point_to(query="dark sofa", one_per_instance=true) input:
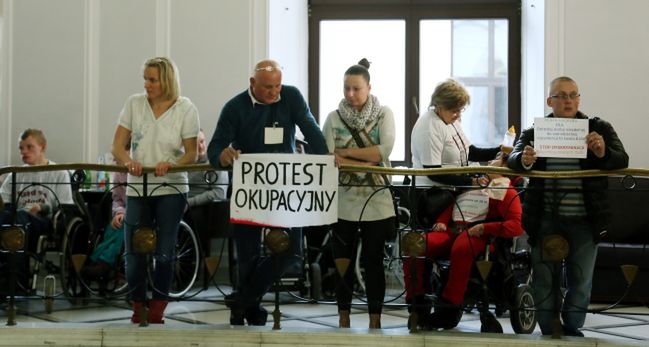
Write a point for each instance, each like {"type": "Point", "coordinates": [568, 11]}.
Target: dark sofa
{"type": "Point", "coordinates": [627, 242]}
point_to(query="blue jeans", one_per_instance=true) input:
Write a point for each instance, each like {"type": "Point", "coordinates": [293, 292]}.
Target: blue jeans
{"type": "Point", "coordinates": [164, 212]}
{"type": "Point", "coordinates": [579, 266]}
{"type": "Point", "coordinates": [257, 273]}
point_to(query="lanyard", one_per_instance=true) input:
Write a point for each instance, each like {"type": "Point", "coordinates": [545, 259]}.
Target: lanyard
{"type": "Point", "coordinates": [461, 149]}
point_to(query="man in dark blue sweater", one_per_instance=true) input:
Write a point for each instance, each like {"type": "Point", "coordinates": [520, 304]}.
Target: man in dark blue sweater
{"type": "Point", "coordinates": [261, 119]}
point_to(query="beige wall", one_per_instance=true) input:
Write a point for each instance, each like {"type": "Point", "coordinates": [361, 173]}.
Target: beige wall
{"type": "Point", "coordinates": [68, 65]}
{"type": "Point", "coordinates": [604, 46]}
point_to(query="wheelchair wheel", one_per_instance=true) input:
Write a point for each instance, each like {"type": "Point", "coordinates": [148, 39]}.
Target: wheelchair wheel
{"type": "Point", "coordinates": [392, 267]}
{"type": "Point", "coordinates": [119, 285]}
{"type": "Point", "coordinates": [77, 241]}
{"type": "Point", "coordinates": [186, 267]}
{"type": "Point", "coordinates": [359, 270]}
{"type": "Point", "coordinates": [188, 261]}
{"type": "Point", "coordinates": [522, 313]}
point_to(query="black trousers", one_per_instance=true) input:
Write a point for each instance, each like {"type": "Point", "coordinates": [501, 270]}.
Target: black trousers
{"type": "Point", "coordinates": [372, 235]}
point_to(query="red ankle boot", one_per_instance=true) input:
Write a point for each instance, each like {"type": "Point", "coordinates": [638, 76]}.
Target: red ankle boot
{"type": "Point", "coordinates": [156, 311]}
{"type": "Point", "coordinates": [137, 306]}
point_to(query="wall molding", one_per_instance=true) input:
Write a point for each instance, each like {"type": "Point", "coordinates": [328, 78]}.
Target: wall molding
{"type": "Point", "coordinates": [91, 81]}
{"type": "Point", "coordinates": [533, 67]}
{"type": "Point", "coordinates": [163, 28]}
{"type": "Point", "coordinates": [555, 41]}
{"type": "Point", "coordinates": [7, 83]}
{"type": "Point", "coordinates": [259, 29]}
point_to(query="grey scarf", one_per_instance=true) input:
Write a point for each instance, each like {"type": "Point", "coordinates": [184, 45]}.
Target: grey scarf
{"type": "Point", "coordinates": [358, 120]}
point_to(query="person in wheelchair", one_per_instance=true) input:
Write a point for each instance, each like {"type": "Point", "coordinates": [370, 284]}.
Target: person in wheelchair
{"type": "Point", "coordinates": [105, 255]}
{"type": "Point", "coordinates": [202, 192]}
{"type": "Point", "coordinates": [39, 194]}
{"type": "Point", "coordinates": [462, 232]}
{"type": "Point", "coordinates": [205, 187]}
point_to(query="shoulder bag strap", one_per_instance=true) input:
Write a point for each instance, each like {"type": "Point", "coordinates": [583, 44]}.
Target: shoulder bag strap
{"type": "Point", "coordinates": [359, 142]}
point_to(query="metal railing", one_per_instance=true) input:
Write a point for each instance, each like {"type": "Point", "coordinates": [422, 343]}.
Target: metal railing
{"type": "Point", "coordinates": [628, 176]}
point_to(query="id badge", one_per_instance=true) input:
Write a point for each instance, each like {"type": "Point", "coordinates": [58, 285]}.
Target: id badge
{"type": "Point", "coordinates": [273, 136]}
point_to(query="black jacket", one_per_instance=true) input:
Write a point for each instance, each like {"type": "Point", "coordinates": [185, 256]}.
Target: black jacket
{"type": "Point", "coordinates": [594, 188]}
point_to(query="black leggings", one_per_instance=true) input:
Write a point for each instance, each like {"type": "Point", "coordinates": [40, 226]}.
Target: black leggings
{"type": "Point", "coordinates": [373, 235]}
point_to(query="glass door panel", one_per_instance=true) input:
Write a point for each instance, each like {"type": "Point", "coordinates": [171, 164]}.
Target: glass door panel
{"type": "Point", "coordinates": [474, 52]}
{"type": "Point", "coordinates": [343, 43]}
{"type": "Point", "coordinates": [470, 48]}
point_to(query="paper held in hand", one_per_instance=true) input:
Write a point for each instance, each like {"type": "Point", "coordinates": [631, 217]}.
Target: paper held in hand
{"type": "Point", "coordinates": [560, 137]}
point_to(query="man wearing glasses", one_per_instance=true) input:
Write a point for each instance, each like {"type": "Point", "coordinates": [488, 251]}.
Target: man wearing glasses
{"type": "Point", "coordinates": [261, 119]}
{"type": "Point", "coordinates": [576, 209]}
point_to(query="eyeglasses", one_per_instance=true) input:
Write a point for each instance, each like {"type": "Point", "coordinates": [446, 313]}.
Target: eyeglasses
{"type": "Point", "coordinates": [565, 96]}
{"type": "Point", "coordinates": [269, 68]}
{"type": "Point", "coordinates": [458, 110]}
{"type": "Point", "coordinates": [452, 111]}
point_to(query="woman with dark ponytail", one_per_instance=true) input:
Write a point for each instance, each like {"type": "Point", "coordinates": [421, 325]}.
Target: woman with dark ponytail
{"type": "Point", "coordinates": [361, 132]}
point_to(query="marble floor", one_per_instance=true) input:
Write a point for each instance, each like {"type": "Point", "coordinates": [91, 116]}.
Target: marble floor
{"type": "Point", "coordinates": [205, 311]}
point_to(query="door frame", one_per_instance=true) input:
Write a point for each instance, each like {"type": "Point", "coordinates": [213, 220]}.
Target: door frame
{"type": "Point", "coordinates": [412, 11]}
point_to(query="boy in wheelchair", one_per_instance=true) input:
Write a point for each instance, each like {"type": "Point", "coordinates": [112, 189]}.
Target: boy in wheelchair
{"type": "Point", "coordinates": [39, 196]}
{"type": "Point", "coordinates": [461, 234]}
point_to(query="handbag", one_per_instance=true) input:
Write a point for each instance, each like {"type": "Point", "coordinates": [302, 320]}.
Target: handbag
{"type": "Point", "coordinates": [432, 202]}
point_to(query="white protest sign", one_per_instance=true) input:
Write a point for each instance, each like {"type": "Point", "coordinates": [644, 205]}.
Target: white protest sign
{"type": "Point", "coordinates": [284, 190]}
{"type": "Point", "coordinates": [471, 206]}
{"type": "Point", "coordinates": [560, 137]}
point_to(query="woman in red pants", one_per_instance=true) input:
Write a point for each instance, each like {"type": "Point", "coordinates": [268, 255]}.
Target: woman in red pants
{"type": "Point", "coordinates": [461, 233]}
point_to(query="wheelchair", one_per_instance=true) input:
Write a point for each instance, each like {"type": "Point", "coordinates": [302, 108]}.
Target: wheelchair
{"type": "Point", "coordinates": [34, 265]}
{"type": "Point", "coordinates": [80, 243]}
{"type": "Point", "coordinates": [506, 286]}
{"type": "Point", "coordinates": [392, 260]}
{"type": "Point", "coordinates": [82, 235]}
{"type": "Point", "coordinates": [323, 272]}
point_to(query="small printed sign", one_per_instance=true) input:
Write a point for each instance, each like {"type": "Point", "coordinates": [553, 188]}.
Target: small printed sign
{"type": "Point", "coordinates": [560, 137]}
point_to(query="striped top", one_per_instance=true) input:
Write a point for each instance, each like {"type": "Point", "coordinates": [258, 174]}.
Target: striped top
{"type": "Point", "coordinates": [564, 194]}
